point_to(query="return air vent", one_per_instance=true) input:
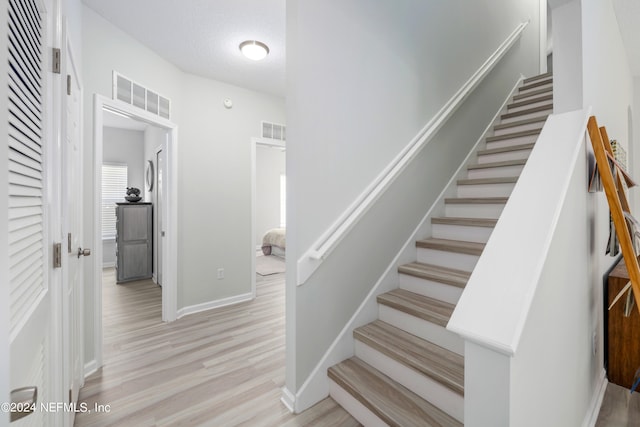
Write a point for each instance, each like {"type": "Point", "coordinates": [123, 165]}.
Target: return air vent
{"type": "Point", "coordinates": [126, 90]}
{"type": "Point", "coordinates": [274, 131]}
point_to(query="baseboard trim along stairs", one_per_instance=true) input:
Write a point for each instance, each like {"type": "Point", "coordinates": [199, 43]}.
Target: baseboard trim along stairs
{"type": "Point", "coordinates": [407, 368]}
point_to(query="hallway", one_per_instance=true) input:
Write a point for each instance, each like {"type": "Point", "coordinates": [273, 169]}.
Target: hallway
{"type": "Point", "coordinates": [221, 367]}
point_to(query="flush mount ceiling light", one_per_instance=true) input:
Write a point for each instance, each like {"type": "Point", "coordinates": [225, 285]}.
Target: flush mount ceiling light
{"type": "Point", "coordinates": [254, 49]}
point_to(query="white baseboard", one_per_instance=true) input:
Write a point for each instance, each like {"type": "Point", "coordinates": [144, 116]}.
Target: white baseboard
{"type": "Point", "coordinates": [192, 309]}
{"type": "Point", "coordinates": [90, 367]}
{"type": "Point", "coordinates": [288, 399]}
{"type": "Point", "coordinates": [594, 409]}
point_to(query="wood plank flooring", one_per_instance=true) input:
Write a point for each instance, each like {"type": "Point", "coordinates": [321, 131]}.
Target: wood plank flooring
{"type": "Point", "coordinates": [222, 367]}
{"type": "Point", "coordinates": [619, 408]}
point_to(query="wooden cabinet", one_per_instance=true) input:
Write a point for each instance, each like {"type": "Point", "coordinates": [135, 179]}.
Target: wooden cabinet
{"type": "Point", "coordinates": [134, 248]}
{"type": "Point", "coordinates": [623, 333]}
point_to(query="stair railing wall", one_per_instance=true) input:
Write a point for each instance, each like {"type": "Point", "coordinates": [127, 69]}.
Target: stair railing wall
{"type": "Point", "coordinates": [316, 385]}
{"type": "Point", "coordinates": [326, 243]}
{"type": "Point", "coordinates": [531, 309]}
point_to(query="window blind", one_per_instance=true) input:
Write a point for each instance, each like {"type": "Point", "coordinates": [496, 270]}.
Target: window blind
{"type": "Point", "coordinates": [114, 188]}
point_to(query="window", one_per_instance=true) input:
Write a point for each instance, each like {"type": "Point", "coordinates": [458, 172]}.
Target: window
{"type": "Point", "coordinates": [114, 187]}
{"type": "Point", "coordinates": [283, 200]}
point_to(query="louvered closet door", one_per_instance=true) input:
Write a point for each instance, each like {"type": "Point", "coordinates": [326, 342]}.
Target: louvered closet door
{"type": "Point", "coordinates": [29, 294]}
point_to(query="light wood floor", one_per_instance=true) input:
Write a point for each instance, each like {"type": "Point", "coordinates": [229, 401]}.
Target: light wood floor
{"type": "Point", "coordinates": [619, 408]}
{"type": "Point", "coordinates": [220, 368]}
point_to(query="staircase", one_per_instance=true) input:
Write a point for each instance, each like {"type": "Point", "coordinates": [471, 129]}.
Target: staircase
{"type": "Point", "coordinates": [408, 370]}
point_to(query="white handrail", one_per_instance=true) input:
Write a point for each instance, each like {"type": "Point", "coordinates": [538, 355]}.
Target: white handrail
{"type": "Point", "coordinates": [314, 256]}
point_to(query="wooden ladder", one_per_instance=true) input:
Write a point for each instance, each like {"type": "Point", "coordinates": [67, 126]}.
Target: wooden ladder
{"type": "Point", "coordinates": [617, 199]}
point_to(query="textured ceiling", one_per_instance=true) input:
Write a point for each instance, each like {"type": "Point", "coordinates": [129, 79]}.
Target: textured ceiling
{"type": "Point", "coordinates": [202, 36]}
{"type": "Point", "coordinates": [628, 15]}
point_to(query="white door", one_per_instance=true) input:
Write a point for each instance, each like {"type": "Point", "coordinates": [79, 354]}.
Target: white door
{"type": "Point", "coordinates": [72, 221]}
{"type": "Point", "coordinates": [29, 157]}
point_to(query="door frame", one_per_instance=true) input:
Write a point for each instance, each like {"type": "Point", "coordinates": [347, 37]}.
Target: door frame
{"type": "Point", "coordinates": [170, 211]}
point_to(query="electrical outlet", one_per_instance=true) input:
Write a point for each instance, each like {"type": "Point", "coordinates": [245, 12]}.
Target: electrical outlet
{"type": "Point", "coordinates": [220, 273]}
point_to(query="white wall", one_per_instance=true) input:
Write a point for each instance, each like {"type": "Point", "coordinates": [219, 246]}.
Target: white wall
{"type": "Point", "coordinates": [634, 146]}
{"type": "Point", "coordinates": [555, 366]}
{"type": "Point", "coordinates": [270, 164]}
{"type": "Point", "coordinates": [608, 83]}
{"type": "Point", "coordinates": [375, 79]}
{"type": "Point", "coordinates": [214, 215]}
{"type": "Point", "coordinates": [126, 147]}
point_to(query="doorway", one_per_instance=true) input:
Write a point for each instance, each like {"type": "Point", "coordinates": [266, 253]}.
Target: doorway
{"type": "Point", "coordinates": [268, 206]}
{"type": "Point", "coordinates": [167, 240]}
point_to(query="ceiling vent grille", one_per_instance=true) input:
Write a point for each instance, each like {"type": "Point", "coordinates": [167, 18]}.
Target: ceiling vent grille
{"type": "Point", "coordinates": [126, 90]}
{"type": "Point", "coordinates": [274, 131]}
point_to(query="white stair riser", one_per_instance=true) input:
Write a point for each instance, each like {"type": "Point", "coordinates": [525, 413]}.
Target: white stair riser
{"type": "Point", "coordinates": [496, 172]}
{"type": "Point", "coordinates": [519, 128]}
{"type": "Point", "coordinates": [461, 232]}
{"type": "Point", "coordinates": [504, 157]}
{"type": "Point", "coordinates": [527, 116]}
{"type": "Point", "coordinates": [421, 328]}
{"type": "Point", "coordinates": [474, 210]}
{"type": "Point", "coordinates": [424, 386]}
{"type": "Point", "coordinates": [464, 262]}
{"type": "Point", "coordinates": [356, 409]}
{"type": "Point", "coordinates": [430, 288]}
{"type": "Point", "coordinates": [528, 106]}
{"type": "Point", "coordinates": [546, 86]}
{"type": "Point", "coordinates": [485, 190]}
{"type": "Point", "coordinates": [511, 142]}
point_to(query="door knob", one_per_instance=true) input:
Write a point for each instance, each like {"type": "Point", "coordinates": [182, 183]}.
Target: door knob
{"type": "Point", "coordinates": [83, 252]}
{"type": "Point", "coordinates": [23, 400]}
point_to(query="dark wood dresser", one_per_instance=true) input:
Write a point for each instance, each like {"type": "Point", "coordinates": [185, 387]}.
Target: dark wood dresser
{"type": "Point", "coordinates": [623, 343]}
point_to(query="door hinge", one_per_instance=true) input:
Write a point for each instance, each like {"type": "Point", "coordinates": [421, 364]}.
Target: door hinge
{"type": "Point", "coordinates": [68, 84]}
{"type": "Point", "coordinates": [57, 255]}
{"type": "Point", "coordinates": [56, 60]}
{"type": "Point", "coordinates": [69, 243]}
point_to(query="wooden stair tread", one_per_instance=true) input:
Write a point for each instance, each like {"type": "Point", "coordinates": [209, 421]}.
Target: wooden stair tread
{"type": "Point", "coordinates": [545, 107]}
{"type": "Point", "coordinates": [542, 76]}
{"type": "Point", "coordinates": [427, 358]}
{"type": "Point", "coordinates": [476, 200]}
{"type": "Point", "coordinates": [429, 309]}
{"type": "Point", "coordinates": [537, 83]}
{"type": "Point", "coordinates": [520, 147]}
{"type": "Point", "coordinates": [458, 246]}
{"type": "Point", "coordinates": [529, 94]}
{"type": "Point", "coordinates": [513, 135]}
{"type": "Point", "coordinates": [505, 163]}
{"type": "Point", "coordinates": [469, 222]}
{"type": "Point", "coordinates": [532, 120]}
{"type": "Point", "coordinates": [448, 276]}
{"type": "Point", "coordinates": [481, 181]}
{"type": "Point", "coordinates": [531, 100]}
{"type": "Point", "coordinates": [387, 399]}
